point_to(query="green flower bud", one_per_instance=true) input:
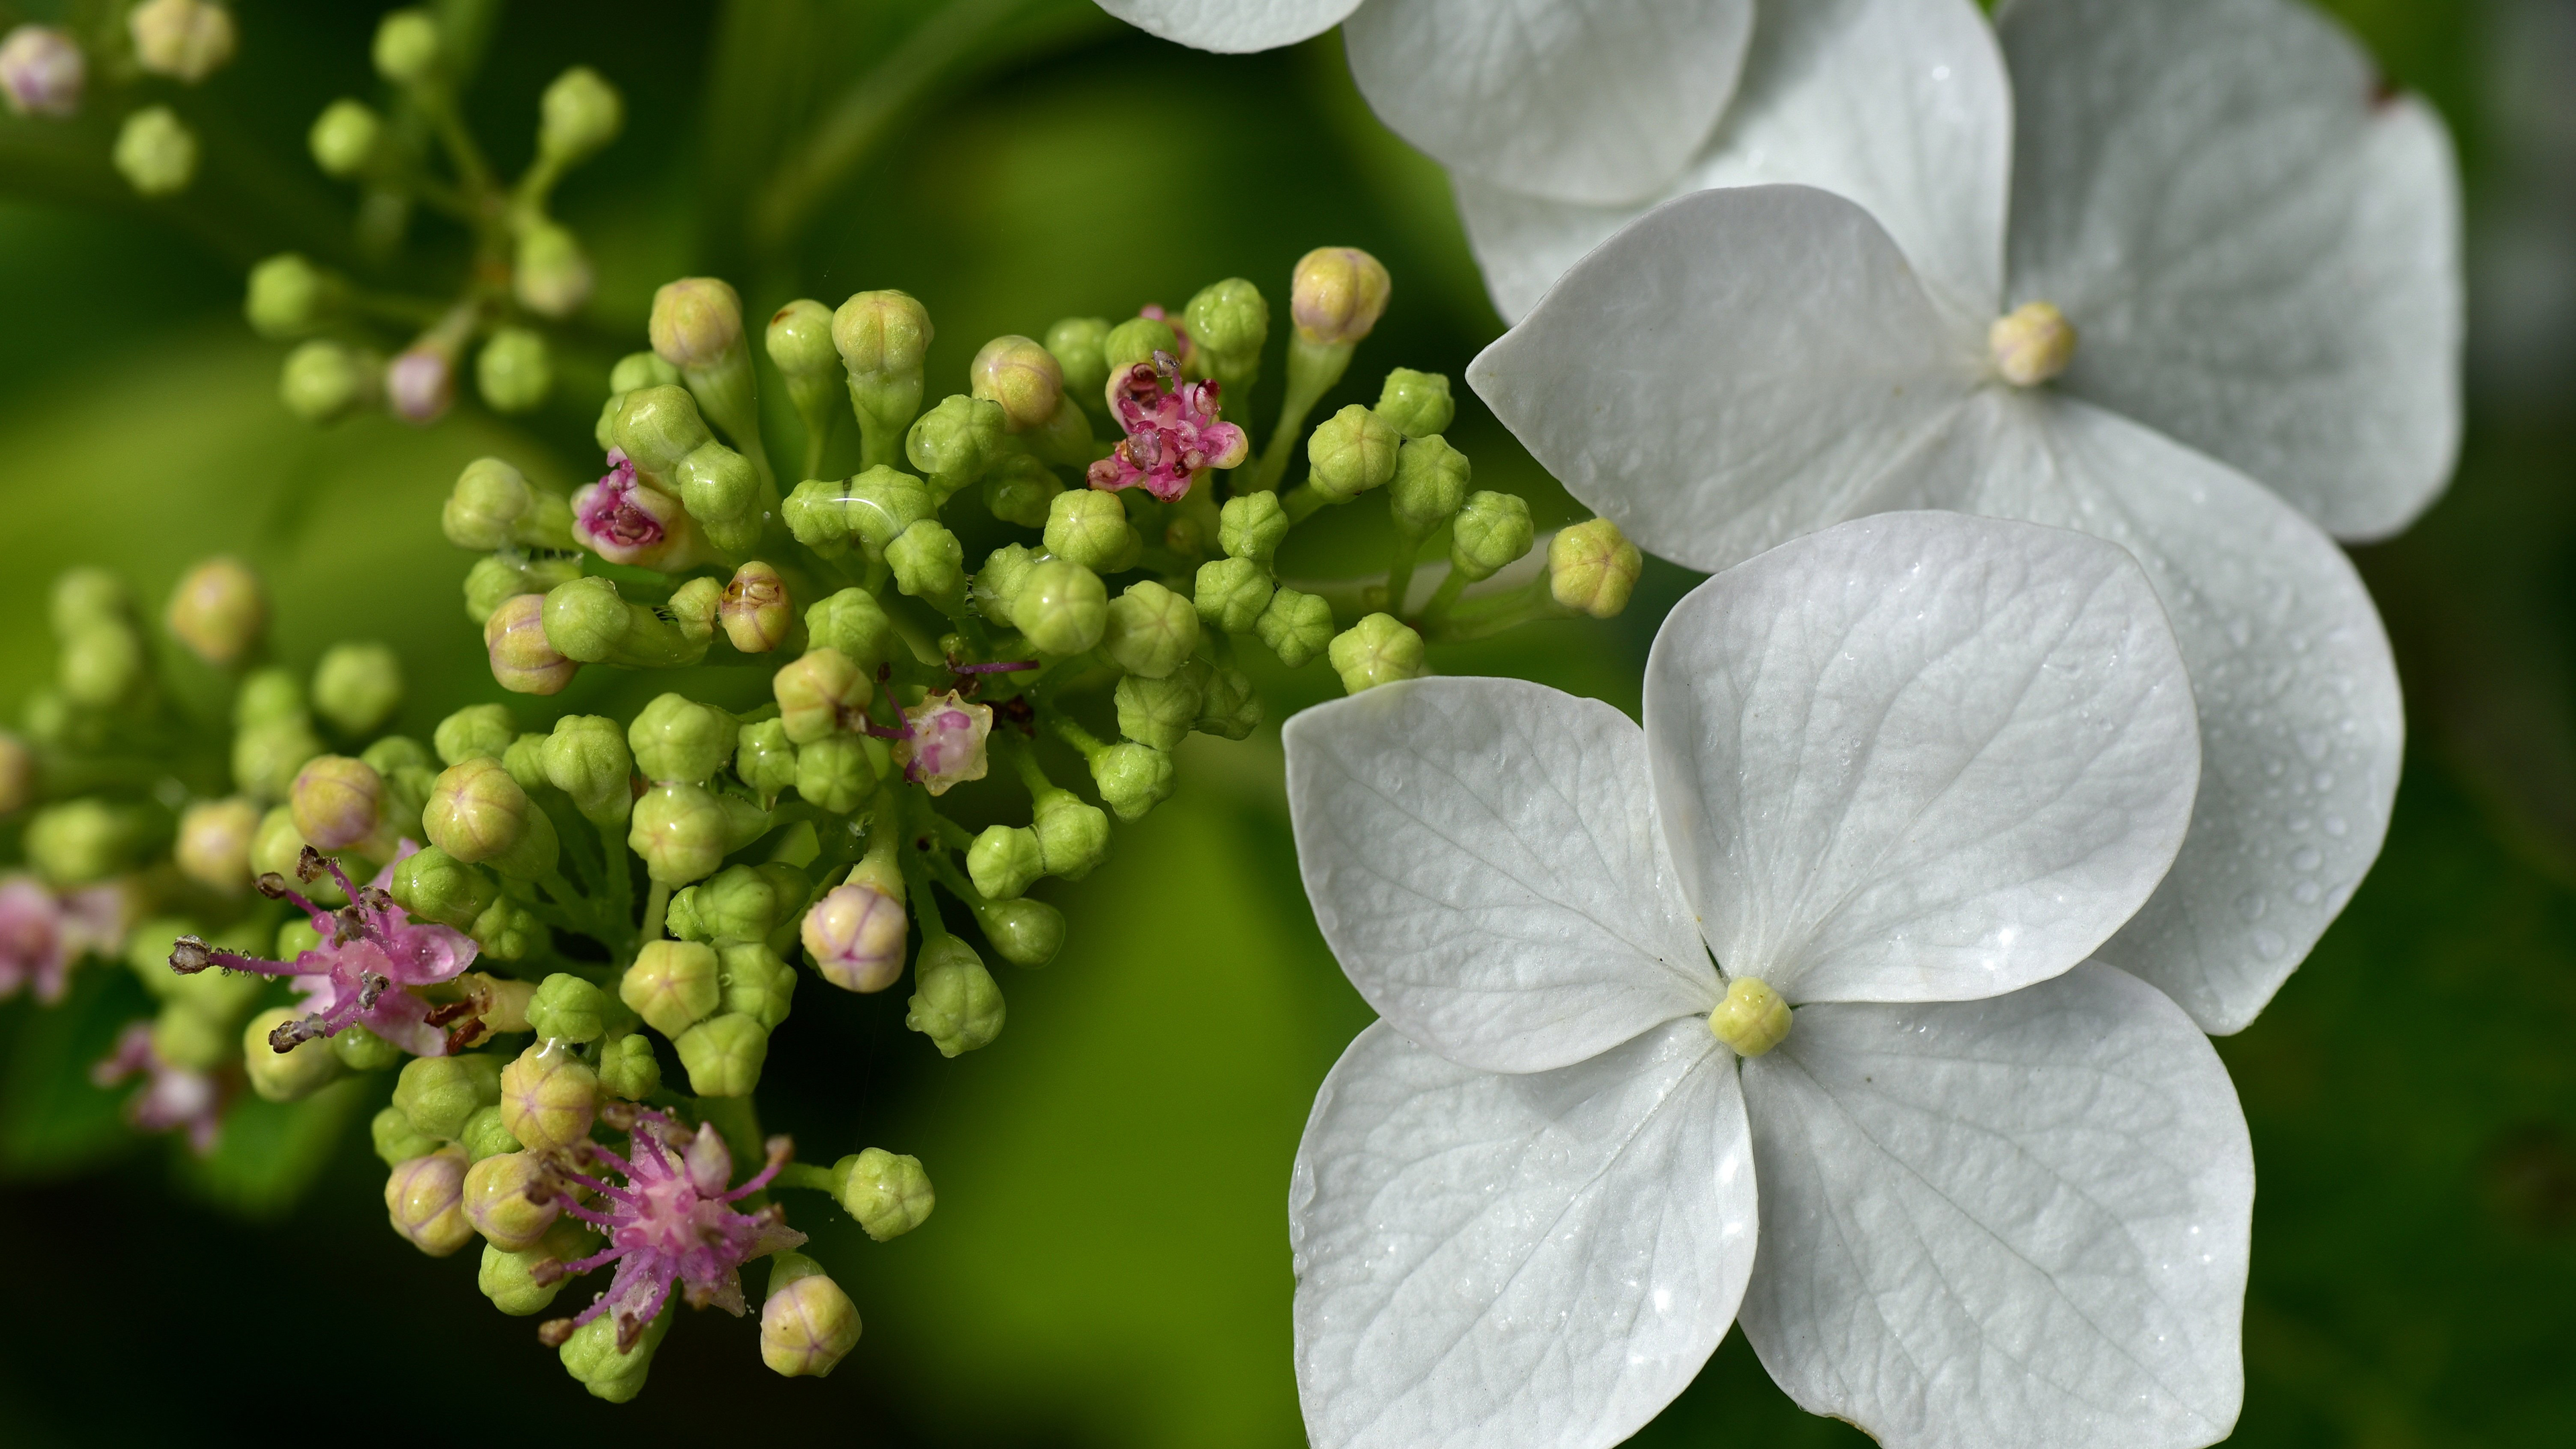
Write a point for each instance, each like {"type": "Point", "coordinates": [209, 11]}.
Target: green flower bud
{"type": "Point", "coordinates": [756, 983]}
{"type": "Point", "coordinates": [337, 801]}
{"type": "Point", "coordinates": [1135, 341]}
{"type": "Point", "coordinates": [394, 1137]}
{"type": "Point", "coordinates": [1228, 707]}
{"type": "Point", "coordinates": [881, 333]}
{"type": "Point", "coordinates": [738, 904]}
{"type": "Point", "coordinates": [514, 371]}
{"type": "Point", "coordinates": [807, 1325]}
{"type": "Point", "coordinates": [1023, 932]}
{"type": "Point", "coordinates": [214, 843]}
{"type": "Point", "coordinates": [1132, 778]}
{"type": "Point", "coordinates": [1376, 650]}
{"type": "Point", "coordinates": [853, 622]}
{"type": "Point", "coordinates": [1233, 593]}
{"type": "Point", "coordinates": [1492, 530]}
{"type": "Point", "coordinates": [521, 649]}
{"type": "Point", "coordinates": [681, 831]}
{"type": "Point", "coordinates": [1160, 712]}
{"type": "Point", "coordinates": [929, 563]}
{"type": "Point", "coordinates": [493, 506]}
{"type": "Point", "coordinates": [765, 759]}
{"type": "Point", "coordinates": [1004, 861]}
{"type": "Point", "coordinates": [549, 273]}
{"type": "Point", "coordinates": [102, 666]}
{"type": "Point", "coordinates": [1022, 377]}
{"type": "Point", "coordinates": [346, 139]}
{"type": "Point", "coordinates": [677, 738]}
{"type": "Point", "coordinates": [638, 370]}
{"type": "Point", "coordinates": [548, 1097]}
{"type": "Point", "coordinates": [1337, 295]}
{"type": "Point", "coordinates": [954, 1001]}
{"type": "Point", "coordinates": [1073, 834]}
{"type": "Point", "coordinates": [1252, 526]}
{"type": "Point", "coordinates": [839, 772]}
{"type": "Point", "coordinates": [579, 114]}
{"type": "Point", "coordinates": [439, 1093]}
{"type": "Point", "coordinates": [186, 40]}
{"type": "Point", "coordinates": [723, 1055]}
{"type": "Point", "coordinates": [266, 757]}
{"type": "Point", "coordinates": [425, 1198]}
{"type": "Point", "coordinates": [1592, 568]}
{"type": "Point", "coordinates": [1353, 451]}
{"type": "Point", "coordinates": [1021, 489]}
{"type": "Point", "coordinates": [81, 841]}
{"type": "Point", "coordinates": [358, 686]}
{"type": "Point", "coordinates": [586, 621]}
{"type": "Point", "coordinates": [628, 1068]}
{"type": "Point", "coordinates": [1296, 626]}
{"type": "Point", "coordinates": [486, 1134]}
{"type": "Point", "coordinates": [998, 582]}
{"type": "Point", "coordinates": [508, 931]}
{"type": "Point", "coordinates": [322, 381]}
{"type": "Point", "coordinates": [592, 1356]}
{"type": "Point", "coordinates": [1089, 527]}
{"type": "Point", "coordinates": [1076, 344]}
{"type": "Point", "coordinates": [657, 427]}
{"type": "Point", "coordinates": [696, 324]}
{"type": "Point", "coordinates": [510, 1199]}
{"type": "Point", "coordinates": [1416, 404]}
{"type": "Point", "coordinates": [289, 296]}
{"type": "Point", "coordinates": [186, 1037]}
{"type": "Point", "coordinates": [477, 813]}
{"type": "Point", "coordinates": [756, 613]}
{"type": "Point", "coordinates": [218, 610]}
{"type": "Point", "coordinates": [1429, 486]}
{"type": "Point", "coordinates": [395, 753]}
{"type": "Point", "coordinates": [277, 848]}
{"type": "Point", "coordinates": [1151, 631]}
{"type": "Point", "coordinates": [83, 596]}
{"type": "Point", "coordinates": [1229, 321]}
{"type": "Point", "coordinates": [588, 759]}
{"type": "Point", "coordinates": [286, 1076]}
{"type": "Point", "coordinates": [876, 507]}
{"type": "Point", "coordinates": [155, 153]}
{"type": "Point", "coordinates": [955, 442]}
{"type": "Point", "coordinates": [525, 760]}
{"type": "Point", "coordinates": [1062, 607]}
{"type": "Point", "coordinates": [509, 1279]}
{"type": "Point", "coordinates": [436, 886]}
{"type": "Point", "coordinates": [568, 1007]}
{"type": "Point", "coordinates": [672, 985]}
{"type": "Point", "coordinates": [799, 341]}
{"type": "Point", "coordinates": [820, 694]}
{"type": "Point", "coordinates": [406, 51]}
{"type": "Point", "coordinates": [476, 731]}
{"type": "Point", "coordinates": [888, 1193]}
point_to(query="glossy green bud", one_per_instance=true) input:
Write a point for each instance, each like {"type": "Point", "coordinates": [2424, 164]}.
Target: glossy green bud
{"type": "Point", "coordinates": [737, 904]}
{"type": "Point", "coordinates": [395, 753]}
{"type": "Point", "coordinates": [888, 1193]}
{"type": "Point", "coordinates": [954, 1001]}
{"type": "Point", "coordinates": [881, 505]}
{"type": "Point", "coordinates": [1132, 778]}
{"type": "Point", "coordinates": [509, 1279]}
{"type": "Point", "coordinates": [637, 370]}
{"type": "Point", "coordinates": [672, 985]}
{"type": "Point", "coordinates": [288, 1076]}
{"type": "Point", "coordinates": [1021, 489]}
{"type": "Point", "coordinates": [486, 1134]}
{"type": "Point", "coordinates": [394, 1137]}
{"type": "Point", "coordinates": [514, 371]}
{"type": "Point", "coordinates": [1252, 526]}
{"type": "Point", "coordinates": [218, 610]}
{"type": "Point", "coordinates": [820, 694]}
{"type": "Point", "coordinates": [82, 841]}
{"type": "Point", "coordinates": [435, 886]}
{"type": "Point", "coordinates": [1492, 530]}
{"type": "Point", "coordinates": [853, 622]}
{"type": "Point", "coordinates": [494, 581]}
{"type": "Point", "coordinates": [755, 982]}
{"type": "Point", "coordinates": [1076, 343]}
{"type": "Point", "coordinates": [510, 1199]}
{"type": "Point", "coordinates": [586, 621]}
{"type": "Point", "coordinates": [628, 1068]}
{"type": "Point", "coordinates": [1352, 452]}
{"type": "Point", "coordinates": [425, 1198]}
{"type": "Point", "coordinates": [807, 1324]}
{"type": "Point", "coordinates": [478, 730]}
{"type": "Point", "coordinates": [838, 772]}
{"type": "Point", "coordinates": [799, 341]}
{"type": "Point", "coordinates": [508, 931]}
{"type": "Point", "coordinates": [723, 1055]}
{"type": "Point", "coordinates": [764, 758]}
{"type": "Point", "coordinates": [289, 296]}
{"type": "Point", "coordinates": [1229, 321]}
{"type": "Point", "coordinates": [1089, 527]}
{"type": "Point", "coordinates": [276, 848]}
{"type": "Point", "coordinates": [1592, 568]}
{"type": "Point", "coordinates": [579, 114]}
{"type": "Point", "coordinates": [346, 139]}
{"type": "Point", "coordinates": [478, 814]}
{"type": "Point", "coordinates": [1023, 932]}
{"type": "Point", "coordinates": [882, 337]}
{"type": "Point", "coordinates": [681, 831]}
{"type": "Point", "coordinates": [721, 490]}
{"type": "Point", "coordinates": [1296, 626]}
{"type": "Point", "coordinates": [1004, 861]}
{"type": "Point", "coordinates": [525, 760]}
{"type": "Point", "coordinates": [1233, 593]}
{"type": "Point", "coordinates": [1430, 484]}
{"type": "Point", "coordinates": [1151, 631]}
{"type": "Point", "coordinates": [1376, 650]}
{"type": "Point", "coordinates": [336, 801]}
{"type": "Point", "coordinates": [406, 49]}
{"type": "Point", "coordinates": [998, 582]}
{"type": "Point", "coordinates": [677, 738]}
{"type": "Point", "coordinates": [929, 563]}
{"type": "Point", "coordinates": [1073, 834]}
{"type": "Point", "coordinates": [549, 273]}
{"type": "Point", "coordinates": [953, 443]}
{"type": "Point", "coordinates": [1337, 295]}
{"type": "Point", "coordinates": [569, 1007]}
{"type": "Point", "coordinates": [1134, 342]}
{"type": "Point", "coordinates": [1160, 712]}
{"type": "Point", "coordinates": [1062, 607]}
{"type": "Point", "coordinates": [657, 427]}
{"type": "Point", "coordinates": [1022, 377]}
{"type": "Point", "coordinates": [439, 1093]}
{"type": "Point", "coordinates": [549, 1096]}
{"type": "Point", "coordinates": [1228, 708]}
{"type": "Point", "coordinates": [587, 757]}
{"type": "Point", "coordinates": [592, 1356]}
{"type": "Point", "coordinates": [155, 153]}
{"type": "Point", "coordinates": [1417, 404]}
{"type": "Point", "coordinates": [358, 686]}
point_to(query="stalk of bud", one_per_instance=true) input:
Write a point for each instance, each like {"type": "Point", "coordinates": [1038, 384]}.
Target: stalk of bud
{"type": "Point", "coordinates": [883, 338]}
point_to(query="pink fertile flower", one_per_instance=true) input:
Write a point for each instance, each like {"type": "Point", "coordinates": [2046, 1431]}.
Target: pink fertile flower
{"type": "Point", "coordinates": [420, 384]}
{"type": "Point", "coordinates": [673, 1222]}
{"type": "Point", "coordinates": [43, 934]}
{"type": "Point", "coordinates": [365, 972]}
{"type": "Point", "coordinates": [627, 521]}
{"type": "Point", "coordinates": [171, 1097]}
{"type": "Point", "coordinates": [1172, 432]}
{"type": "Point", "coordinates": [943, 741]}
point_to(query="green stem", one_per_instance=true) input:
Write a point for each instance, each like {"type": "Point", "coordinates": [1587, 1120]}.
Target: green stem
{"type": "Point", "coordinates": [1492, 614]}
{"type": "Point", "coordinates": [1083, 740]}
{"type": "Point", "coordinates": [657, 904]}
{"type": "Point", "coordinates": [1312, 370]}
{"type": "Point", "coordinates": [619, 874]}
{"type": "Point", "coordinates": [1399, 572]}
{"type": "Point", "coordinates": [1302, 503]}
{"type": "Point", "coordinates": [1444, 598]}
{"type": "Point", "coordinates": [808, 1176]}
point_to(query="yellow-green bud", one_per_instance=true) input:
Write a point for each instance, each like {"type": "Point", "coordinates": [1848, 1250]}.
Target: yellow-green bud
{"type": "Point", "coordinates": [493, 506]}
{"type": "Point", "coordinates": [1132, 778]}
{"type": "Point", "coordinates": [882, 332]}
{"type": "Point", "coordinates": [677, 738]}
{"type": "Point", "coordinates": [1592, 567]}
{"type": "Point", "coordinates": [1160, 712]}
{"type": "Point", "coordinates": [1492, 530]}
{"type": "Point", "coordinates": [435, 886]}
{"type": "Point", "coordinates": [696, 322]}
{"type": "Point", "coordinates": [219, 611]}
{"type": "Point", "coordinates": [755, 982]}
{"type": "Point", "coordinates": [486, 1134]}
{"type": "Point", "coordinates": [81, 841]}
{"type": "Point", "coordinates": [509, 1279]}
{"type": "Point", "coordinates": [1150, 631]}
{"type": "Point", "coordinates": [323, 380]}
{"type": "Point", "coordinates": [289, 296]}
{"type": "Point", "coordinates": [548, 1097]}
{"type": "Point", "coordinates": [954, 1001]}
{"type": "Point", "coordinates": [723, 1055]}
{"type": "Point", "coordinates": [1062, 607]}
{"type": "Point", "coordinates": [510, 1198]}
{"type": "Point", "coordinates": [658, 427]}
{"type": "Point", "coordinates": [266, 757]}
{"type": "Point", "coordinates": [1417, 404]}
{"type": "Point", "coordinates": [853, 622]}
{"type": "Point", "coordinates": [1023, 932]}
{"type": "Point", "coordinates": [102, 666]}
{"type": "Point", "coordinates": [839, 772]}
{"type": "Point", "coordinates": [346, 138]}
{"type": "Point", "coordinates": [1076, 345]}
{"type": "Point", "coordinates": [628, 1068]}
{"type": "Point", "coordinates": [568, 1007]}
{"type": "Point", "coordinates": [337, 801]}
{"type": "Point", "coordinates": [1073, 834]}
{"type": "Point", "coordinates": [681, 831]}
{"type": "Point", "coordinates": [1232, 594]}
{"type": "Point", "coordinates": [186, 40]}
{"type": "Point", "coordinates": [799, 340]}
{"type": "Point", "coordinates": [737, 904]}
{"type": "Point", "coordinates": [755, 611]}
{"type": "Point", "coordinates": [765, 758]}
{"type": "Point", "coordinates": [478, 730]}
{"type": "Point", "coordinates": [592, 1356]}
{"type": "Point", "coordinates": [439, 1093]}
{"type": "Point", "coordinates": [286, 1076]}
{"type": "Point", "coordinates": [521, 650]}
{"type": "Point", "coordinates": [672, 985]}
{"type": "Point", "coordinates": [425, 1199]}
{"type": "Point", "coordinates": [395, 1139]}
{"type": "Point", "coordinates": [214, 843]}
{"type": "Point", "coordinates": [358, 686]}
{"type": "Point", "coordinates": [820, 694]}
{"type": "Point", "coordinates": [183, 1036]}
{"type": "Point", "coordinates": [887, 1192]}
{"type": "Point", "coordinates": [2031, 344]}
{"type": "Point", "coordinates": [588, 759]}
{"type": "Point", "coordinates": [1229, 321]}
{"type": "Point", "coordinates": [406, 47]}
{"type": "Point", "coordinates": [1021, 489]}
{"type": "Point", "coordinates": [954, 443]}
{"type": "Point", "coordinates": [1252, 526]}
{"type": "Point", "coordinates": [1135, 341]}
{"type": "Point", "coordinates": [1429, 486]}
{"type": "Point", "coordinates": [477, 813]}
{"type": "Point", "coordinates": [1296, 626]}
{"type": "Point", "coordinates": [1352, 452]}
{"type": "Point", "coordinates": [549, 273]}
{"type": "Point", "coordinates": [1336, 295]}
{"type": "Point", "coordinates": [1089, 527]}
{"type": "Point", "coordinates": [1004, 861]}
{"type": "Point", "coordinates": [1376, 650]}
{"type": "Point", "coordinates": [579, 114]}
{"type": "Point", "coordinates": [1022, 377]}
{"type": "Point", "coordinates": [929, 563]}
{"type": "Point", "coordinates": [1752, 1019]}
{"type": "Point", "coordinates": [508, 931]}
{"type": "Point", "coordinates": [997, 583]}
{"type": "Point", "coordinates": [1228, 707]}
{"type": "Point", "coordinates": [807, 1324]}
{"type": "Point", "coordinates": [514, 371]}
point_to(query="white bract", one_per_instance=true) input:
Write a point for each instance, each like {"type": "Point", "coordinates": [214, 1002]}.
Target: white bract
{"type": "Point", "coordinates": [1908, 772]}
{"type": "Point", "coordinates": [2257, 255]}
{"type": "Point", "coordinates": [1583, 101]}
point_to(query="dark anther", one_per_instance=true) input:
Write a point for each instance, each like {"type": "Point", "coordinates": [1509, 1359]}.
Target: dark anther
{"type": "Point", "coordinates": [271, 885]}
{"type": "Point", "coordinates": [375, 898]}
{"type": "Point", "coordinates": [921, 842]}
{"type": "Point", "coordinates": [620, 1116]}
{"type": "Point", "coordinates": [308, 866]}
{"type": "Point", "coordinates": [547, 1272]}
{"type": "Point", "coordinates": [292, 1034]}
{"type": "Point", "coordinates": [352, 926]}
{"type": "Point", "coordinates": [442, 1015]}
{"type": "Point", "coordinates": [554, 1331]}
{"type": "Point", "coordinates": [884, 673]}
{"type": "Point", "coordinates": [371, 988]}
{"type": "Point", "coordinates": [630, 1330]}
{"type": "Point", "coordinates": [188, 956]}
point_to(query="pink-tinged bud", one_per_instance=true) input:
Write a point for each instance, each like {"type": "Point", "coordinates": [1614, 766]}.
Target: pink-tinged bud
{"type": "Point", "coordinates": [696, 322]}
{"type": "Point", "coordinates": [420, 384]}
{"type": "Point", "coordinates": [41, 71]}
{"type": "Point", "coordinates": [1173, 436]}
{"type": "Point", "coordinates": [808, 1325]}
{"type": "Point", "coordinates": [943, 742]}
{"type": "Point", "coordinates": [214, 843]}
{"type": "Point", "coordinates": [627, 521]}
{"type": "Point", "coordinates": [523, 660]}
{"type": "Point", "coordinates": [425, 1198]}
{"type": "Point", "coordinates": [820, 694]}
{"type": "Point", "coordinates": [854, 935]}
{"type": "Point", "coordinates": [219, 611]}
{"type": "Point", "coordinates": [1336, 295]}
{"type": "Point", "coordinates": [548, 1097]}
{"type": "Point", "coordinates": [756, 611]}
{"type": "Point", "coordinates": [336, 801]}
{"type": "Point", "coordinates": [1023, 377]}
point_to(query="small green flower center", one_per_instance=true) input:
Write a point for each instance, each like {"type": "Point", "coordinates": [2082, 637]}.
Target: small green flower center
{"type": "Point", "coordinates": [1752, 1019]}
{"type": "Point", "coordinates": [2031, 344]}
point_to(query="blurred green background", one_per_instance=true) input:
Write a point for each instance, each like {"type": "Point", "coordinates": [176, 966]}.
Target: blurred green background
{"type": "Point", "coordinates": [1108, 1264]}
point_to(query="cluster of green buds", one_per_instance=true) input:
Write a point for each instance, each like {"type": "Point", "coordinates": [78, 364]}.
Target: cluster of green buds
{"type": "Point", "coordinates": [135, 61]}
{"type": "Point", "coordinates": [528, 273]}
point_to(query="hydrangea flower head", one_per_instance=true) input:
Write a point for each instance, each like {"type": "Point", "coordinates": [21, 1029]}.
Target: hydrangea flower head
{"type": "Point", "coordinates": [1172, 431]}
{"type": "Point", "coordinates": [368, 969]}
{"type": "Point", "coordinates": [44, 934]}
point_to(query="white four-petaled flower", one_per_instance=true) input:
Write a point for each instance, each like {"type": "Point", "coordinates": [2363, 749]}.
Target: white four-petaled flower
{"type": "Point", "coordinates": [1908, 772]}
{"type": "Point", "coordinates": [2257, 251]}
